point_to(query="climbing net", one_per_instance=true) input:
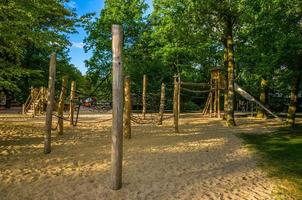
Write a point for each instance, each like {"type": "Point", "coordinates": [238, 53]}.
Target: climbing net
{"type": "Point", "coordinates": [79, 103]}
{"type": "Point", "coordinates": [151, 116]}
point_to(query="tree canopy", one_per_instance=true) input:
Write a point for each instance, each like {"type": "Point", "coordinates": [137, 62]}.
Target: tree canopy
{"type": "Point", "coordinates": [257, 44]}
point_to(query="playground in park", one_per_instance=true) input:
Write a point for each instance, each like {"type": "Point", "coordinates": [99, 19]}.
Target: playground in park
{"type": "Point", "coordinates": [115, 151]}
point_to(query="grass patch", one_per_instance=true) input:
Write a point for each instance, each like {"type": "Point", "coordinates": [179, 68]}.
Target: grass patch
{"type": "Point", "coordinates": [281, 154]}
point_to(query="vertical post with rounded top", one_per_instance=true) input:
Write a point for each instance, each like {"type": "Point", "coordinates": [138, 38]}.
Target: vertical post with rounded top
{"type": "Point", "coordinates": [175, 104]}
{"type": "Point", "coordinates": [61, 106]}
{"type": "Point", "coordinates": [71, 103]}
{"type": "Point", "coordinates": [162, 104]}
{"type": "Point", "coordinates": [144, 96]}
{"type": "Point", "coordinates": [50, 103]}
{"type": "Point", "coordinates": [127, 109]}
{"type": "Point", "coordinates": [117, 108]}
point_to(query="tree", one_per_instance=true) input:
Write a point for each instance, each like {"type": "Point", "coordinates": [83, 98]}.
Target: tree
{"type": "Point", "coordinates": [36, 28]}
{"type": "Point", "coordinates": [129, 14]}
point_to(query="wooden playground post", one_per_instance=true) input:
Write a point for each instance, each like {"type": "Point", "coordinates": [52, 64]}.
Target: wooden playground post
{"type": "Point", "coordinates": [144, 96]}
{"type": "Point", "coordinates": [215, 97]}
{"type": "Point", "coordinates": [34, 110]}
{"type": "Point", "coordinates": [61, 106]}
{"type": "Point", "coordinates": [175, 104]}
{"type": "Point", "coordinates": [162, 104]}
{"type": "Point", "coordinates": [218, 94]}
{"type": "Point", "coordinates": [31, 92]}
{"type": "Point", "coordinates": [117, 108]}
{"type": "Point", "coordinates": [39, 100]}
{"type": "Point", "coordinates": [71, 104]}
{"type": "Point", "coordinates": [179, 85]}
{"type": "Point", "coordinates": [252, 109]}
{"type": "Point", "coordinates": [50, 103]}
{"type": "Point", "coordinates": [211, 98]}
{"type": "Point", "coordinates": [23, 109]}
{"type": "Point", "coordinates": [127, 109]}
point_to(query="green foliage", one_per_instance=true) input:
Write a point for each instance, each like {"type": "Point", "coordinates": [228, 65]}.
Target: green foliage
{"type": "Point", "coordinates": [129, 14]}
{"type": "Point", "coordinates": [29, 32]}
{"type": "Point", "coordinates": [179, 36]}
{"type": "Point", "coordinates": [191, 106]}
{"type": "Point", "coordinates": [188, 37]}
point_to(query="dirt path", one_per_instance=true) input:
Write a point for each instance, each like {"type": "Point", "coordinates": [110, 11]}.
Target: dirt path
{"type": "Point", "coordinates": [204, 161]}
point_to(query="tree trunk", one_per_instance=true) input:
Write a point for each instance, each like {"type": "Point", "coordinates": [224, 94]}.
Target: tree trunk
{"type": "Point", "coordinates": [291, 114]}
{"type": "Point", "coordinates": [263, 99]}
{"type": "Point", "coordinates": [230, 94]}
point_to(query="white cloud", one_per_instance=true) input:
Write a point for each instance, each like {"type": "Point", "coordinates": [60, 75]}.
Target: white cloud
{"type": "Point", "coordinates": [78, 45]}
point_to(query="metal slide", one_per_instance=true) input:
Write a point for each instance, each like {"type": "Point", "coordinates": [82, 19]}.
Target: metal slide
{"type": "Point", "coordinates": [249, 97]}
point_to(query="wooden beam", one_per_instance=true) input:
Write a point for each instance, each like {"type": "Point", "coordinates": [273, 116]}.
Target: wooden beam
{"type": "Point", "coordinates": [175, 104]}
{"type": "Point", "coordinates": [162, 103]}
{"type": "Point", "coordinates": [71, 103]}
{"type": "Point", "coordinates": [218, 94]}
{"type": "Point", "coordinates": [50, 103]}
{"type": "Point", "coordinates": [144, 96]}
{"type": "Point", "coordinates": [61, 106]}
{"type": "Point", "coordinates": [117, 107]}
{"type": "Point", "coordinates": [127, 109]}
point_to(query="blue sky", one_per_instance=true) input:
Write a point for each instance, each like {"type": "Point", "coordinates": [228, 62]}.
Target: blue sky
{"type": "Point", "coordinates": [77, 54]}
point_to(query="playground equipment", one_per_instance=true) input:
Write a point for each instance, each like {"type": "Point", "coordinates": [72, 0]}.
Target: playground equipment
{"type": "Point", "coordinates": [36, 102]}
{"type": "Point", "coordinates": [249, 97]}
{"type": "Point", "coordinates": [217, 83]}
{"type": "Point", "coordinates": [212, 105]}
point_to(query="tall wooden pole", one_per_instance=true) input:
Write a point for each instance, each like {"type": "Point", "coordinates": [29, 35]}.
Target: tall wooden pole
{"type": "Point", "coordinates": [218, 94]}
{"type": "Point", "coordinates": [175, 104]}
{"type": "Point", "coordinates": [179, 85]}
{"type": "Point", "coordinates": [127, 109]}
{"type": "Point", "coordinates": [117, 107]}
{"type": "Point", "coordinates": [71, 104]}
{"type": "Point", "coordinates": [50, 103]}
{"type": "Point", "coordinates": [211, 99]}
{"type": "Point", "coordinates": [23, 109]}
{"type": "Point", "coordinates": [215, 97]}
{"type": "Point", "coordinates": [61, 106]}
{"type": "Point", "coordinates": [144, 96]}
{"type": "Point", "coordinates": [32, 92]}
{"type": "Point", "coordinates": [162, 104]}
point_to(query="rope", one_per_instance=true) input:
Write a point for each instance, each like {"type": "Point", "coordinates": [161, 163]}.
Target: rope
{"type": "Point", "coordinates": [86, 95]}
{"type": "Point", "coordinates": [67, 119]}
{"type": "Point", "coordinates": [139, 120]}
{"type": "Point", "coordinates": [196, 91]}
{"type": "Point", "coordinates": [196, 84]}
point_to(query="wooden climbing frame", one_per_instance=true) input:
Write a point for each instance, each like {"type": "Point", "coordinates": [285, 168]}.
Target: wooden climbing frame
{"type": "Point", "coordinates": [212, 105]}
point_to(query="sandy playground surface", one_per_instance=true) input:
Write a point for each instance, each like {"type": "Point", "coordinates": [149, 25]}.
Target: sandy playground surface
{"type": "Point", "coordinates": [204, 161]}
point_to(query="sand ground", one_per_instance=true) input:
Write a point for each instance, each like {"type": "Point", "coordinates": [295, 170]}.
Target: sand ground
{"type": "Point", "coordinates": [206, 160]}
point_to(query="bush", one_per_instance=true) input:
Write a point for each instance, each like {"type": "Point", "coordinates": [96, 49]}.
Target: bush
{"type": "Point", "coordinates": [191, 106]}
